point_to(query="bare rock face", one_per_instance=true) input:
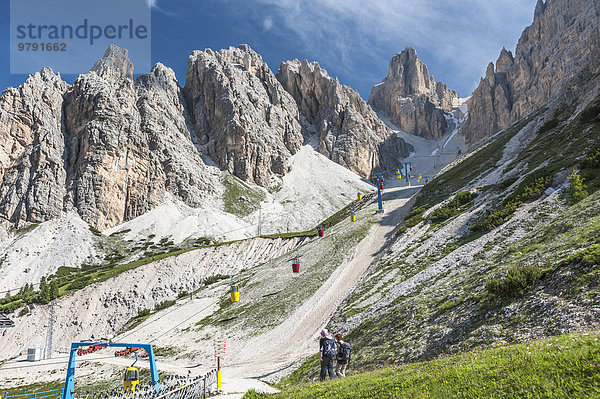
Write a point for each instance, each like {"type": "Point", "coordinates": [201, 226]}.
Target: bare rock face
{"type": "Point", "coordinates": [32, 173]}
{"type": "Point", "coordinates": [104, 133]}
{"type": "Point", "coordinates": [349, 131]}
{"type": "Point", "coordinates": [563, 41]}
{"type": "Point", "coordinates": [107, 146]}
{"type": "Point", "coordinates": [243, 117]}
{"type": "Point", "coordinates": [411, 98]}
{"type": "Point", "coordinates": [171, 141]}
{"type": "Point", "coordinates": [129, 142]}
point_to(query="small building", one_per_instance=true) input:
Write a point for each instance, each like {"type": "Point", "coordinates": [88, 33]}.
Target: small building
{"type": "Point", "coordinates": [34, 354]}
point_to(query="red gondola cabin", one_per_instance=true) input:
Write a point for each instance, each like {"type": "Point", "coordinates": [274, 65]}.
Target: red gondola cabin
{"type": "Point", "coordinates": [296, 265]}
{"type": "Point", "coordinates": [321, 231]}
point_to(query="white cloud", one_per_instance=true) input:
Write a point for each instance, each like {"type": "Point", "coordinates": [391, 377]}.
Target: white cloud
{"type": "Point", "coordinates": [267, 23]}
{"type": "Point", "coordinates": [460, 36]}
{"type": "Point", "coordinates": [152, 3]}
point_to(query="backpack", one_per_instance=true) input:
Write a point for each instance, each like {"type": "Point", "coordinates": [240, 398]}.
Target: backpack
{"type": "Point", "coordinates": [343, 352]}
{"type": "Point", "coordinates": [329, 348]}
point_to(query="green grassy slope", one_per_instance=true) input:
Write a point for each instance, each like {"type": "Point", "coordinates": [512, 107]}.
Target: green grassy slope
{"type": "Point", "coordinates": [560, 367]}
{"type": "Point", "coordinates": [504, 264]}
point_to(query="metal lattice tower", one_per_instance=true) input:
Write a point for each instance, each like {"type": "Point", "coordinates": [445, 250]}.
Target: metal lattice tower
{"type": "Point", "coordinates": [48, 354]}
{"type": "Point", "coordinates": [260, 221]}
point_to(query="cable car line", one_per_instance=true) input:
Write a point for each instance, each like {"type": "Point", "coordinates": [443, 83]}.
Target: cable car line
{"type": "Point", "coordinates": [100, 267]}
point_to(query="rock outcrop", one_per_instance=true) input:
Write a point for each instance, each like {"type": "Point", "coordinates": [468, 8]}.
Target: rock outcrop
{"type": "Point", "coordinates": [411, 98]}
{"type": "Point", "coordinates": [107, 146]}
{"type": "Point", "coordinates": [129, 142]}
{"type": "Point", "coordinates": [110, 147]}
{"type": "Point", "coordinates": [246, 121]}
{"type": "Point", "coordinates": [349, 132]}
{"type": "Point", "coordinates": [32, 173]}
{"type": "Point", "coordinates": [563, 41]}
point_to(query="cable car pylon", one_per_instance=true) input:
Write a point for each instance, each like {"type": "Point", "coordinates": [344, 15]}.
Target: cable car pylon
{"type": "Point", "coordinates": [380, 181]}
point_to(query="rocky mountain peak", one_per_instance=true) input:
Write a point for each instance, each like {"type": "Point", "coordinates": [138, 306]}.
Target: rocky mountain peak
{"type": "Point", "coordinates": [539, 8]}
{"type": "Point", "coordinates": [505, 61]}
{"type": "Point", "coordinates": [562, 42]}
{"type": "Point", "coordinates": [245, 119]}
{"type": "Point", "coordinates": [349, 132]}
{"type": "Point", "coordinates": [114, 65]}
{"type": "Point", "coordinates": [411, 73]}
{"type": "Point", "coordinates": [411, 97]}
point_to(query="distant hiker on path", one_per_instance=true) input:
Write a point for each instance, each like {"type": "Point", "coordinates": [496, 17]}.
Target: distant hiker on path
{"type": "Point", "coordinates": [327, 352]}
{"type": "Point", "coordinates": [342, 356]}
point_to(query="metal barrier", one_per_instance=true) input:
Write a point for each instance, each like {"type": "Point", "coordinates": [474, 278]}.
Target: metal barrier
{"type": "Point", "coordinates": [51, 394]}
{"type": "Point", "coordinates": [171, 387]}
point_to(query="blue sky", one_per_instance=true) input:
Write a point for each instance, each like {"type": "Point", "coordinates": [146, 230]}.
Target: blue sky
{"type": "Point", "coordinates": [353, 40]}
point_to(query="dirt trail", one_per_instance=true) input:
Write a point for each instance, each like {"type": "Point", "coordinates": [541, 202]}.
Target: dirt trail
{"type": "Point", "coordinates": [296, 338]}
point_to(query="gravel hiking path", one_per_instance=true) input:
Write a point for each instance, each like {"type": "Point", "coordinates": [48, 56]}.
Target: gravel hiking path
{"type": "Point", "coordinates": [297, 337]}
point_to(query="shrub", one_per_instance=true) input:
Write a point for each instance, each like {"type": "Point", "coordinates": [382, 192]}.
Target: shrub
{"type": "Point", "coordinates": [165, 304]}
{"type": "Point", "coordinates": [401, 230]}
{"type": "Point", "coordinates": [531, 188]}
{"type": "Point", "coordinates": [453, 207]}
{"type": "Point", "coordinates": [590, 114]}
{"type": "Point", "coordinates": [183, 294]}
{"type": "Point", "coordinates": [592, 160]}
{"type": "Point", "coordinates": [214, 279]}
{"type": "Point", "coordinates": [24, 311]}
{"type": "Point", "coordinates": [448, 305]}
{"type": "Point", "coordinates": [143, 312]}
{"type": "Point", "coordinates": [518, 280]}
{"type": "Point", "coordinates": [577, 190]}
{"type": "Point", "coordinates": [414, 217]}
{"type": "Point", "coordinates": [77, 284]}
{"type": "Point", "coordinates": [589, 256]}
{"type": "Point", "coordinates": [549, 125]}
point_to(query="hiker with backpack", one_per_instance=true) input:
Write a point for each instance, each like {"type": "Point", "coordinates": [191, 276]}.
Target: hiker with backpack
{"type": "Point", "coordinates": [342, 356]}
{"type": "Point", "coordinates": [327, 352]}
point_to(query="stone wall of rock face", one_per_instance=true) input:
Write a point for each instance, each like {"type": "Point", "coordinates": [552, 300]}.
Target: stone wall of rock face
{"type": "Point", "coordinates": [32, 173]}
{"type": "Point", "coordinates": [563, 40]}
{"type": "Point", "coordinates": [349, 132]}
{"type": "Point", "coordinates": [411, 98]}
{"type": "Point", "coordinates": [110, 147]}
{"type": "Point", "coordinates": [244, 118]}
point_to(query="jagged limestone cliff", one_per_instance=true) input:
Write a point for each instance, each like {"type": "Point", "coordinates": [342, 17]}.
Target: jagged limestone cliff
{"type": "Point", "coordinates": [561, 43]}
{"type": "Point", "coordinates": [411, 97]}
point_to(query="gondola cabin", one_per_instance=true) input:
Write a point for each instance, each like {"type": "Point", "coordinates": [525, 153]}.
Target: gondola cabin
{"type": "Point", "coordinates": [131, 379]}
{"type": "Point", "coordinates": [321, 231]}
{"type": "Point", "coordinates": [359, 196]}
{"type": "Point", "coordinates": [381, 185]}
{"type": "Point", "coordinates": [234, 291]}
{"type": "Point", "coordinates": [353, 217]}
{"type": "Point", "coordinates": [296, 265]}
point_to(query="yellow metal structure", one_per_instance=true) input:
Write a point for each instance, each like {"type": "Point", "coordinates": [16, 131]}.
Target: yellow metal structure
{"type": "Point", "coordinates": [218, 379]}
{"type": "Point", "coordinates": [235, 293]}
{"type": "Point", "coordinates": [359, 196]}
{"type": "Point", "coordinates": [353, 217]}
{"type": "Point", "coordinates": [131, 379]}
